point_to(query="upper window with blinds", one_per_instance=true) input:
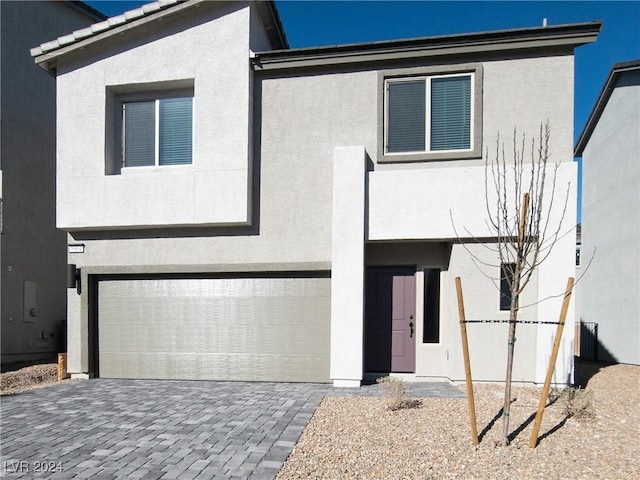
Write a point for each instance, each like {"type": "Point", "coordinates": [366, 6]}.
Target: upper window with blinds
{"type": "Point", "coordinates": [431, 115]}
{"type": "Point", "coordinates": [157, 132]}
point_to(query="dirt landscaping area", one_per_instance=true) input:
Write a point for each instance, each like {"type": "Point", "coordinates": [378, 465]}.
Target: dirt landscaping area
{"type": "Point", "coordinates": [359, 438]}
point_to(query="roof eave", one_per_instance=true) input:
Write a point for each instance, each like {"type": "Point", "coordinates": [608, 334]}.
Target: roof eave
{"type": "Point", "coordinates": [601, 102]}
{"type": "Point", "coordinates": [568, 36]}
{"type": "Point", "coordinates": [277, 23]}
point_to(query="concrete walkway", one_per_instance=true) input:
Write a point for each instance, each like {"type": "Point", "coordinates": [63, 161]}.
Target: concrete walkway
{"type": "Point", "coordinates": [152, 429]}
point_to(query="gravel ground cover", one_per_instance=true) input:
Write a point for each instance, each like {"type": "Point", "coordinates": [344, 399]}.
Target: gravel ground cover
{"type": "Point", "coordinates": [359, 438]}
{"type": "Point", "coordinates": [28, 378]}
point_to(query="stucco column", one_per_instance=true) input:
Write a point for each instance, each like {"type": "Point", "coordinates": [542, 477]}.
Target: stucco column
{"type": "Point", "coordinates": [552, 279]}
{"type": "Point", "coordinates": [347, 270]}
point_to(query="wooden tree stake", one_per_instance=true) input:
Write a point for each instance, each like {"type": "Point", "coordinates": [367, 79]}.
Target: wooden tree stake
{"type": "Point", "coordinates": [467, 363]}
{"type": "Point", "coordinates": [552, 364]}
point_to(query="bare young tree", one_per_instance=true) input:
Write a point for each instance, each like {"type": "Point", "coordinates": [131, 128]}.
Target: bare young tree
{"type": "Point", "coordinates": [520, 218]}
{"type": "Point", "coordinates": [520, 193]}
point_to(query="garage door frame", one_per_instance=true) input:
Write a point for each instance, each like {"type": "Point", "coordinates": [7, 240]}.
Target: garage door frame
{"type": "Point", "coordinates": [94, 281]}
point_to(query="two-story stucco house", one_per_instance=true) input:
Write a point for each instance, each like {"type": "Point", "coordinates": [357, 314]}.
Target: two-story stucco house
{"type": "Point", "coordinates": [33, 252]}
{"type": "Point", "coordinates": [610, 149]}
{"type": "Point", "coordinates": [246, 211]}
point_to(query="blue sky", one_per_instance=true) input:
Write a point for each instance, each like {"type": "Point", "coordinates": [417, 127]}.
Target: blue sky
{"type": "Point", "coordinates": [315, 23]}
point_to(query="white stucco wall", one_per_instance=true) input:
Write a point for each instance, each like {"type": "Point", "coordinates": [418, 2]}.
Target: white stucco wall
{"type": "Point", "coordinates": [215, 188]}
{"type": "Point", "coordinates": [487, 342]}
{"type": "Point", "coordinates": [611, 227]}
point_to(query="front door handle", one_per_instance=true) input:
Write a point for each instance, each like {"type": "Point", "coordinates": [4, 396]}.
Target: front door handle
{"type": "Point", "coordinates": [411, 329]}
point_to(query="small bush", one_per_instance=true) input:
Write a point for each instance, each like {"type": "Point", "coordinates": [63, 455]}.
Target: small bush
{"type": "Point", "coordinates": [394, 392]}
{"type": "Point", "coordinates": [579, 403]}
{"type": "Point", "coordinates": [554, 395]}
{"type": "Point", "coordinates": [575, 401]}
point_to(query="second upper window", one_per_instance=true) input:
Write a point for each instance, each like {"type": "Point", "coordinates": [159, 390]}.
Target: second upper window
{"type": "Point", "coordinates": [429, 114]}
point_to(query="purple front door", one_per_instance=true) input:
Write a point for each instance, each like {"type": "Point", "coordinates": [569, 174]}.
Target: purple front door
{"type": "Point", "coordinates": [390, 320]}
{"type": "Point", "coordinates": [403, 323]}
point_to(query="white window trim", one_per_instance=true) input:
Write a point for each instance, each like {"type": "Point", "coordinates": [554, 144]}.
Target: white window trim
{"type": "Point", "coordinates": [427, 79]}
{"type": "Point", "coordinates": [154, 169]}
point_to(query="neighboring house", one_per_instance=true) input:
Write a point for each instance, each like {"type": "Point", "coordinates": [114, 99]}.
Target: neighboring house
{"type": "Point", "coordinates": [610, 149]}
{"type": "Point", "coordinates": [33, 252]}
{"type": "Point", "coordinates": [245, 211]}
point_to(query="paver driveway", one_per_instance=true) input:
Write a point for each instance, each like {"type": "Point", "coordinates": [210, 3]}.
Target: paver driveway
{"type": "Point", "coordinates": [151, 429]}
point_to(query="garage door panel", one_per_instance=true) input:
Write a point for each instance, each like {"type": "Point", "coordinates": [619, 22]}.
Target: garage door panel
{"type": "Point", "coordinates": [262, 339]}
{"type": "Point", "coordinates": [282, 368]}
{"type": "Point", "coordinates": [272, 329]}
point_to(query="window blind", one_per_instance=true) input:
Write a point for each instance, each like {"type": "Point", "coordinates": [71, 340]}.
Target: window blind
{"type": "Point", "coordinates": [175, 131]}
{"type": "Point", "coordinates": [451, 113]}
{"type": "Point", "coordinates": [139, 135]}
{"type": "Point", "coordinates": [406, 116]}
{"type": "Point", "coordinates": [507, 271]}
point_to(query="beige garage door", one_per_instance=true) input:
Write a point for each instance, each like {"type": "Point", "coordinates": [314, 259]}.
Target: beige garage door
{"type": "Point", "coordinates": [266, 329]}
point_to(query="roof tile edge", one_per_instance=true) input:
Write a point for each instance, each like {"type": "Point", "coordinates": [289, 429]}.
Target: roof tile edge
{"type": "Point", "coordinates": [104, 25]}
{"type": "Point", "coordinates": [50, 49]}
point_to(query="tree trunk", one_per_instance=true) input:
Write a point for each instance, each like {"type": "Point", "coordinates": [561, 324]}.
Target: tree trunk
{"type": "Point", "coordinates": [513, 315]}
{"type": "Point", "coordinates": [506, 409]}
